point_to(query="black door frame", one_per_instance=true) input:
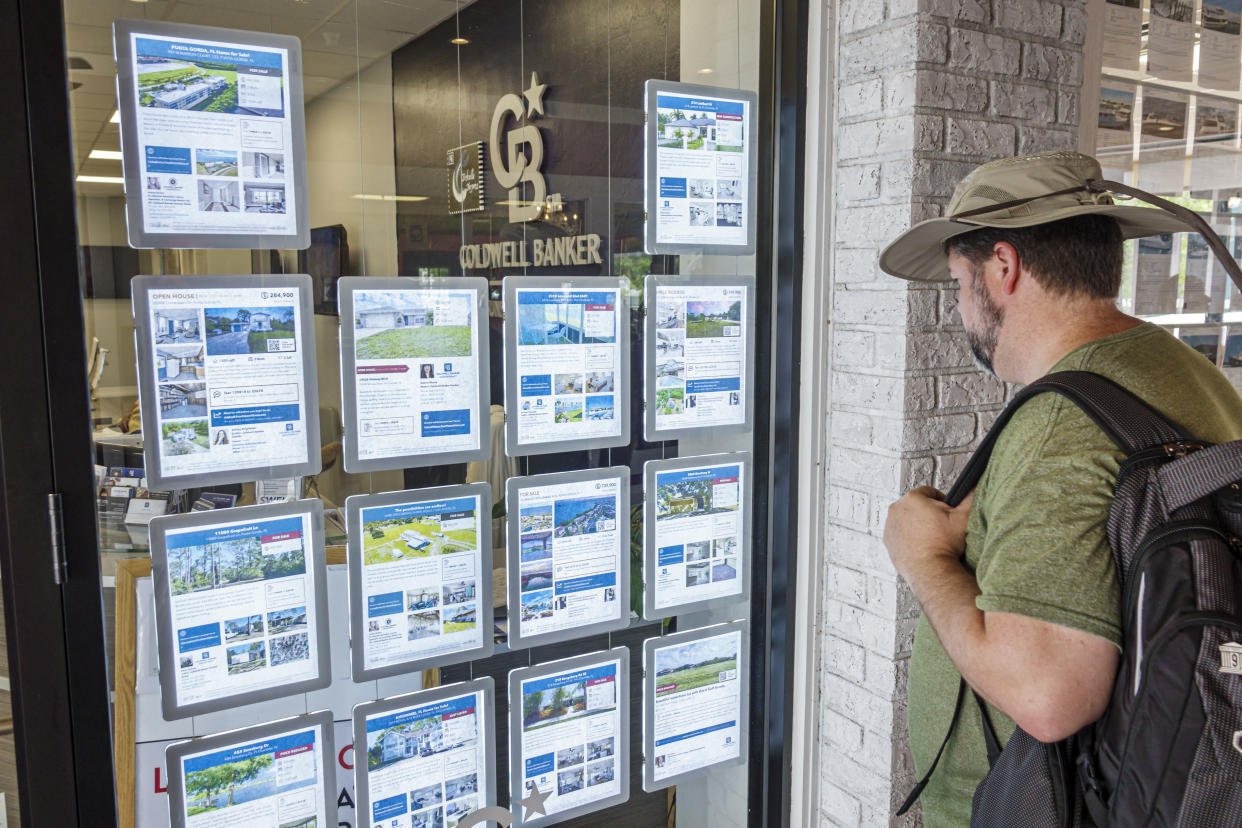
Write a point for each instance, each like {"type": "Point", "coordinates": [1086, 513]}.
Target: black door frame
{"type": "Point", "coordinates": [57, 663]}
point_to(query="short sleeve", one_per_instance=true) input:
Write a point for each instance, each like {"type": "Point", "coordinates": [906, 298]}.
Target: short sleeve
{"type": "Point", "coordinates": [1041, 540]}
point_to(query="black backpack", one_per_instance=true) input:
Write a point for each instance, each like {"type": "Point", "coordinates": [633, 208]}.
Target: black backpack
{"type": "Point", "coordinates": [1168, 750]}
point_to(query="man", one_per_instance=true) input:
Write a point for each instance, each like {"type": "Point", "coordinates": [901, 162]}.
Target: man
{"type": "Point", "coordinates": [1017, 584]}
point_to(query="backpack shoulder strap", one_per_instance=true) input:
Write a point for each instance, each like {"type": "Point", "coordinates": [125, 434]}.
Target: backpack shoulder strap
{"type": "Point", "coordinates": [1129, 422]}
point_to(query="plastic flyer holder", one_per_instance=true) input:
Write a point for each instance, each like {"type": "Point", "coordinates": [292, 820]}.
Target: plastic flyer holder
{"type": "Point", "coordinates": [701, 146]}
{"type": "Point", "coordinates": [696, 533]}
{"type": "Point", "coordinates": [567, 545]}
{"type": "Point", "coordinates": [414, 371]}
{"type": "Point", "coordinates": [567, 364]}
{"type": "Point", "coordinates": [696, 703]}
{"type": "Point", "coordinates": [236, 98]}
{"type": "Point", "coordinates": [226, 379]}
{"type": "Point", "coordinates": [270, 774]}
{"type": "Point", "coordinates": [420, 579]}
{"type": "Point", "coordinates": [699, 356]}
{"type": "Point", "coordinates": [241, 606]}
{"type": "Point", "coordinates": [561, 714]}
{"type": "Point", "coordinates": [428, 754]}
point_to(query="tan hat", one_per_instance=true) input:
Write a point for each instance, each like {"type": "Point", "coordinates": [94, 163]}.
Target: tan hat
{"type": "Point", "coordinates": [1021, 192]}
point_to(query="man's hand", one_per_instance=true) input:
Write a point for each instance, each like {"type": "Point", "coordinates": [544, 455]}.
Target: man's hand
{"type": "Point", "coordinates": [922, 526]}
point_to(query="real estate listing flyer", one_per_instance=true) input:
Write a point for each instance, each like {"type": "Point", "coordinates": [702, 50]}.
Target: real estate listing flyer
{"type": "Point", "coordinates": [695, 702]}
{"type": "Point", "coordinates": [413, 366]}
{"type": "Point", "coordinates": [420, 562]}
{"type": "Point", "coordinates": [568, 547]}
{"type": "Point", "coordinates": [226, 380]}
{"type": "Point", "coordinates": [567, 357]}
{"type": "Point", "coordinates": [568, 734]}
{"type": "Point", "coordinates": [700, 351]}
{"type": "Point", "coordinates": [239, 605]}
{"type": "Point", "coordinates": [700, 153]}
{"type": "Point", "coordinates": [698, 532]}
{"type": "Point", "coordinates": [426, 762]}
{"type": "Point", "coordinates": [212, 128]}
{"type": "Point", "coordinates": [277, 775]}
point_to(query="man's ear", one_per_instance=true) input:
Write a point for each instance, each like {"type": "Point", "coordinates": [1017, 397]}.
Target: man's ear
{"type": "Point", "coordinates": [1009, 266]}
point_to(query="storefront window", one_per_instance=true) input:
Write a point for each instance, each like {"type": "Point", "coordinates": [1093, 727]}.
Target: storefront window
{"type": "Point", "coordinates": [494, 154]}
{"type": "Point", "coordinates": [1168, 122]}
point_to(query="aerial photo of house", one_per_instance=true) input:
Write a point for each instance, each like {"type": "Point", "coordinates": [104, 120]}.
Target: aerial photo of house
{"type": "Point", "coordinates": [215, 162]}
{"type": "Point", "coordinates": [599, 408]}
{"type": "Point", "coordinates": [179, 84]}
{"type": "Point", "coordinates": [185, 437]}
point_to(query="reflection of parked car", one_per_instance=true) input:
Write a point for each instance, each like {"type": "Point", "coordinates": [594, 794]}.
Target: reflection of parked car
{"type": "Point", "coordinates": [1162, 243]}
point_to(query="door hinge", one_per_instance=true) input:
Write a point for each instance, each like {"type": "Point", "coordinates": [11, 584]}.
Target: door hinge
{"type": "Point", "coordinates": [56, 524]}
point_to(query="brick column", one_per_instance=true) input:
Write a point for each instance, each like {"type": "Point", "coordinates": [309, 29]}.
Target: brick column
{"type": "Point", "coordinates": [925, 90]}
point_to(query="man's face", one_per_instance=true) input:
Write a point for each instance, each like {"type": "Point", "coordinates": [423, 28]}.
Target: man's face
{"type": "Point", "coordinates": [981, 316]}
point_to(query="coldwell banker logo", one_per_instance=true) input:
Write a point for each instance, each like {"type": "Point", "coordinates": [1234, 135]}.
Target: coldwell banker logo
{"type": "Point", "coordinates": [518, 159]}
{"type": "Point", "coordinates": [465, 179]}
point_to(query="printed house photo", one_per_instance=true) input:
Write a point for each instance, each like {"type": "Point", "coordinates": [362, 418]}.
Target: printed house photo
{"type": "Point", "coordinates": [542, 708]}
{"type": "Point", "coordinates": [710, 319]}
{"type": "Point", "coordinates": [600, 749]}
{"type": "Point", "coordinates": [555, 324]}
{"type": "Point", "coordinates": [263, 164]}
{"type": "Point", "coordinates": [582, 516]}
{"type": "Point", "coordinates": [246, 657]}
{"type": "Point", "coordinates": [241, 629]}
{"type": "Point", "coordinates": [702, 188]}
{"type": "Point", "coordinates": [691, 497]}
{"type": "Point", "coordinates": [183, 399]}
{"type": "Point", "coordinates": [460, 618]}
{"type": "Point", "coordinates": [598, 381]}
{"type": "Point", "coordinates": [261, 197]}
{"type": "Point", "coordinates": [698, 574]}
{"type": "Point", "coordinates": [176, 325]}
{"type": "Point", "coordinates": [403, 325]}
{"type": "Point", "coordinates": [569, 781]}
{"type": "Point", "coordinates": [537, 546]}
{"type": "Point", "coordinates": [168, 83]}
{"type": "Point", "coordinates": [567, 384]}
{"type": "Point", "coordinates": [422, 599]}
{"type": "Point", "coordinates": [536, 518]}
{"type": "Point", "coordinates": [184, 437]}
{"type": "Point", "coordinates": [670, 401]}
{"type": "Point", "coordinates": [458, 592]}
{"type": "Point", "coordinates": [570, 756]}
{"type": "Point", "coordinates": [218, 196]}
{"type": "Point", "coordinates": [701, 214]}
{"type": "Point", "coordinates": [599, 408]}
{"type": "Point", "coordinates": [395, 539]}
{"type": "Point", "coordinates": [728, 214]}
{"type": "Point", "coordinates": [537, 605]}
{"type": "Point", "coordinates": [536, 575]}
{"type": "Point", "coordinates": [250, 330]}
{"type": "Point", "coordinates": [682, 130]}
{"type": "Point", "coordinates": [461, 786]}
{"type": "Point", "coordinates": [599, 773]}
{"type": "Point", "coordinates": [215, 162]}
{"type": "Point", "coordinates": [238, 561]}
{"type": "Point", "coordinates": [696, 664]}
{"type": "Point", "coordinates": [230, 783]}
{"type": "Point", "coordinates": [724, 570]}
{"type": "Point", "coordinates": [418, 738]}
{"type": "Point", "coordinates": [421, 625]}
{"type": "Point", "coordinates": [286, 620]}
{"type": "Point", "coordinates": [569, 411]}
{"type": "Point", "coordinates": [180, 362]}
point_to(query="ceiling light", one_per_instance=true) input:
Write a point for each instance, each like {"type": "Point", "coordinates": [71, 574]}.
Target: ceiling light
{"type": "Point", "coordinates": [106, 155]}
{"type": "Point", "coordinates": [101, 179]}
{"type": "Point", "coordinates": [459, 41]}
{"type": "Point", "coordinates": [706, 70]}
{"type": "Point", "coordinates": [116, 117]}
{"type": "Point", "coordinates": [385, 197]}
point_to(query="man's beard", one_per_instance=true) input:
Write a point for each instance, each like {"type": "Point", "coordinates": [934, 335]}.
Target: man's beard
{"type": "Point", "coordinates": [983, 339]}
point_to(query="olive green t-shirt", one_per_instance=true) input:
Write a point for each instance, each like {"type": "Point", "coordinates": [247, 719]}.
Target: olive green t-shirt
{"type": "Point", "coordinates": [1036, 538]}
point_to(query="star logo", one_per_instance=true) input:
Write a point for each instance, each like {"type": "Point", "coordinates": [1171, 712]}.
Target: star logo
{"type": "Point", "coordinates": [534, 802]}
{"type": "Point", "coordinates": [534, 96]}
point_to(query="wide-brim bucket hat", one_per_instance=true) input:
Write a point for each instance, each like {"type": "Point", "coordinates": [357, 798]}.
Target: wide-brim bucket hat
{"type": "Point", "coordinates": [1022, 192]}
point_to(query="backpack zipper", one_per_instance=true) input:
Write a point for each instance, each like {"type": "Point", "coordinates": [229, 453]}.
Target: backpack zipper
{"type": "Point", "coordinates": [1203, 619]}
{"type": "Point", "coordinates": [1191, 529]}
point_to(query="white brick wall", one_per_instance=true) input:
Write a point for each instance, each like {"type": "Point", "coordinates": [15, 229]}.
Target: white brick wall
{"type": "Point", "coordinates": [925, 91]}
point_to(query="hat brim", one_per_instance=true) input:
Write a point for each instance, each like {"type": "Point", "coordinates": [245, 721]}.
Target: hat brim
{"type": "Point", "coordinates": [918, 253]}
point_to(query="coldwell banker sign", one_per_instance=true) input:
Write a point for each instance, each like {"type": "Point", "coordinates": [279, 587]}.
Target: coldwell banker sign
{"type": "Point", "coordinates": [517, 163]}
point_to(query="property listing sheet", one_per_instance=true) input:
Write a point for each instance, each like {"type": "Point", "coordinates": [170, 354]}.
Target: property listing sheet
{"type": "Point", "coordinates": [420, 580]}
{"type": "Point", "coordinates": [416, 372]}
{"type": "Point", "coordinates": [702, 162]}
{"type": "Point", "coordinates": [700, 356]}
{"type": "Point", "coordinates": [425, 764]}
{"type": "Point", "coordinates": [570, 742]}
{"type": "Point", "coordinates": [571, 553]}
{"type": "Point", "coordinates": [228, 372]}
{"type": "Point", "coordinates": [242, 607]}
{"type": "Point", "coordinates": [697, 707]}
{"type": "Point", "coordinates": [276, 781]}
{"type": "Point", "coordinates": [569, 378]}
{"type": "Point", "coordinates": [215, 136]}
{"type": "Point", "coordinates": [698, 534]}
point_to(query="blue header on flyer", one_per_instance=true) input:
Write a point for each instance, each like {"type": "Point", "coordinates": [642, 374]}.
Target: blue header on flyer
{"type": "Point", "coordinates": [246, 530]}
{"type": "Point", "coordinates": [702, 731]}
{"type": "Point", "coordinates": [448, 707]}
{"type": "Point", "coordinates": [254, 414]}
{"type": "Point", "coordinates": [413, 510]}
{"type": "Point", "coordinates": [604, 672]}
{"type": "Point", "coordinates": [393, 806]}
{"type": "Point", "coordinates": [235, 754]}
{"type": "Point", "coordinates": [567, 297]}
{"type": "Point", "coordinates": [717, 105]}
{"type": "Point", "coordinates": [180, 50]}
{"type": "Point", "coordinates": [702, 473]}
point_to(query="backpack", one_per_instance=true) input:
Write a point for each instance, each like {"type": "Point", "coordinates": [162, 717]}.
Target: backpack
{"type": "Point", "coordinates": [1168, 749]}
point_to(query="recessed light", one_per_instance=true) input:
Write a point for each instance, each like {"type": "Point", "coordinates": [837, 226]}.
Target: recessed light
{"type": "Point", "coordinates": [106, 155]}
{"type": "Point", "coordinates": [459, 41]}
{"type": "Point", "coordinates": [116, 117]}
{"type": "Point", "coordinates": [386, 197]}
{"type": "Point", "coordinates": [100, 179]}
{"type": "Point", "coordinates": [706, 70]}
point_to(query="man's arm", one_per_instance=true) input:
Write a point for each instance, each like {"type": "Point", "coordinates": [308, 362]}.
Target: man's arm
{"type": "Point", "coordinates": [1050, 679]}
